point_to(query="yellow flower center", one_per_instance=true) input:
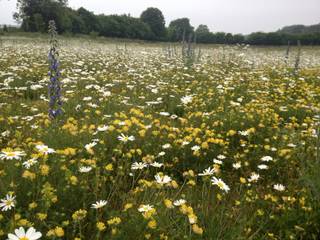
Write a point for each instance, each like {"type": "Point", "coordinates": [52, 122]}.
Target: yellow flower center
{"type": "Point", "coordinates": [9, 203]}
{"type": "Point", "coordinates": [11, 154]}
{"type": "Point", "coordinates": [24, 238]}
{"type": "Point", "coordinates": [220, 185]}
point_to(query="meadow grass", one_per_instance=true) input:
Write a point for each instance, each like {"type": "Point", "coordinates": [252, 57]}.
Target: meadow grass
{"type": "Point", "coordinates": [225, 147]}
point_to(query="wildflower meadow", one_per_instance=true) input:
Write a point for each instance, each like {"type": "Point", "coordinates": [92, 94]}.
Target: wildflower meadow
{"type": "Point", "coordinates": [131, 140]}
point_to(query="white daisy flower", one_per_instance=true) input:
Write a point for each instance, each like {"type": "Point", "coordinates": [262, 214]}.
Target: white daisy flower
{"type": "Point", "coordinates": [8, 154]}
{"type": "Point", "coordinates": [166, 146]}
{"type": "Point", "coordinates": [266, 159]}
{"type": "Point", "coordinates": [236, 165]}
{"type": "Point", "coordinates": [87, 99]}
{"type": "Point", "coordinates": [195, 148]}
{"type": "Point", "coordinates": [221, 157]}
{"type": "Point", "coordinates": [21, 234]}
{"type": "Point", "coordinates": [5, 133]}
{"type": "Point", "coordinates": [89, 146]}
{"type": "Point", "coordinates": [263, 166]}
{"type": "Point", "coordinates": [145, 208]}
{"type": "Point", "coordinates": [254, 177]}
{"type": "Point", "coordinates": [291, 145]}
{"type": "Point", "coordinates": [184, 143]}
{"type": "Point", "coordinates": [103, 128]}
{"type": "Point", "coordinates": [85, 169]}
{"type": "Point", "coordinates": [179, 202]}
{"type": "Point", "coordinates": [44, 149]}
{"type": "Point", "coordinates": [164, 114]}
{"type": "Point", "coordinates": [279, 187]}
{"type": "Point", "coordinates": [138, 165]}
{"type": "Point", "coordinates": [124, 138]}
{"type": "Point", "coordinates": [221, 184]}
{"type": "Point", "coordinates": [162, 179]}
{"type": "Point", "coordinates": [216, 161]}
{"type": "Point", "coordinates": [186, 99]}
{"type": "Point", "coordinates": [160, 154]}
{"type": "Point", "coordinates": [99, 204]}
{"type": "Point", "coordinates": [207, 172]}
{"type": "Point", "coordinates": [243, 133]}
{"type": "Point", "coordinates": [27, 164]}
{"type": "Point", "coordinates": [7, 203]}
{"type": "Point", "coordinates": [156, 164]}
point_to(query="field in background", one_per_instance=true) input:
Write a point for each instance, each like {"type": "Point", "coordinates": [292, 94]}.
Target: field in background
{"type": "Point", "coordinates": [221, 146]}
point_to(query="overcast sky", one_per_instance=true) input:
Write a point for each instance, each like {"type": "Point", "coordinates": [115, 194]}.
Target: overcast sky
{"type": "Point", "coordinates": [235, 16]}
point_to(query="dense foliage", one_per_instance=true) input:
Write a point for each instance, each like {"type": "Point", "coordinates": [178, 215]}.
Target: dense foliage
{"type": "Point", "coordinates": [301, 29]}
{"type": "Point", "coordinates": [154, 18]}
{"type": "Point", "coordinates": [36, 14]}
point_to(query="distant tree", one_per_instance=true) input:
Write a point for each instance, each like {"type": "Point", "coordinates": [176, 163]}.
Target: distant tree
{"type": "Point", "coordinates": [220, 37]}
{"type": "Point", "coordinates": [228, 38]}
{"type": "Point", "coordinates": [48, 9]}
{"type": "Point", "coordinates": [155, 19]}
{"type": "Point", "coordinates": [5, 28]}
{"type": "Point", "coordinates": [203, 34]}
{"type": "Point", "coordinates": [123, 26]}
{"type": "Point", "coordinates": [238, 38]}
{"type": "Point", "coordinates": [89, 19]}
{"type": "Point", "coordinates": [179, 28]}
{"type": "Point", "coordinates": [257, 38]}
{"type": "Point", "coordinates": [39, 24]}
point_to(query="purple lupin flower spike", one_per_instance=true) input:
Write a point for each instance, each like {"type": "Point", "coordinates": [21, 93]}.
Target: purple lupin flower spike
{"type": "Point", "coordinates": [54, 88]}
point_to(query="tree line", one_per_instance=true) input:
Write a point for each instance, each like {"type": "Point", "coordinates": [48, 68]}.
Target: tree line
{"type": "Point", "coordinates": [35, 14]}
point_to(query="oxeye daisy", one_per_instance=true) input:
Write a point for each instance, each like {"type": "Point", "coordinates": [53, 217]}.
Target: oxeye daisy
{"type": "Point", "coordinates": [186, 99]}
{"type": "Point", "coordinates": [27, 164]}
{"type": "Point", "coordinates": [85, 169]}
{"type": "Point", "coordinates": [179, 202]}
{"type": "Point", "coordinates": [160, 154]}
{"type": "Point", "coordinates": [207, 172]}
{"type": "Point", "coordinates": [220, 184]}
{"type": "Point", "coordinates": [263, 166]}
{"type": "Point", "coordinates": [124, 138]}
{"type": "Point", "coordinates": [166, 146]}
{"type": "Point", "coordinates": [236, 165]}
{"type": "Point", "coordinates": [7, 203]}
{"type": "Point", "coordinates": [9, 154]}
{"type": "Point", "coordinates": [103, 128]}
{"type": "Point", "coordinates": [184, 143]}
{"type": "Point", "coordinates": [279, 187]}
{"type": "Point", "coordinates": [21, 234]}
{"type": "Point", "coordinates": [254, 177]}
{"type": "Point", "coordinates": [145, 208]}
{"type": "Point", "coordinates": [156, 164]}
{"type": "Point", "coordinates": [162, 179]}
{"type": "Point", "coordinates": [195, 148]}
{"type": "Point", "coordinates": [266, 159]}
{"type": "Point", "coordinates": [44, 149]}
{"type": "Point", "coordinates": [138, 165]}
{"type": "Point", "coordinates": [90, 145]}
{"type": "Point", "coordinates": [221, 157]}
{"type": "Point", "coordinates": [216, 161]}
{"type": "Point", "coordinates": [99, 204]}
